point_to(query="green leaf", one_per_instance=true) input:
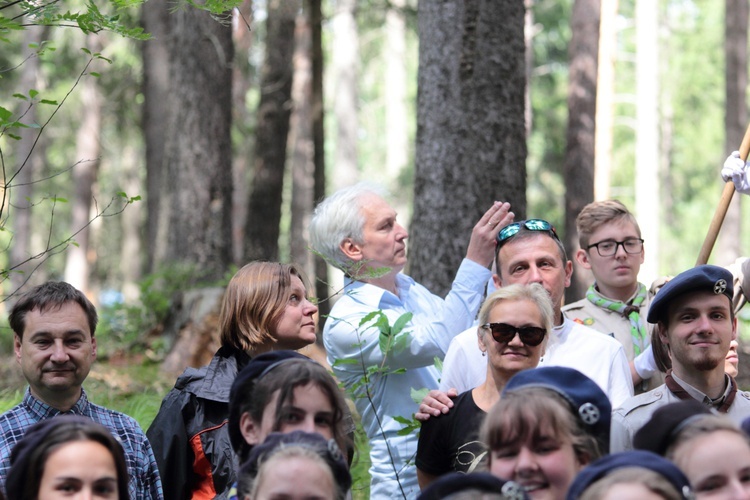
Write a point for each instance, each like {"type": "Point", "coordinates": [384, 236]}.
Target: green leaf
{"type": "Point", "coordinates": [369, 317]}
{"type": "Point", "coordinates": [347, 361]}
{"type": "Point", "coordinates": [417, 395]}
{"type": "Point", "coordinates": [5, 114]}
{"type": "Point", "coordinates": [86, 50]}
{"type": "Point", "coordinates": [47, 101]}
{"type": "Point", "coordinates": [57, 199]}
{"type": "Point", "coordinates": [95, 74]}
{"type": "Point", "coordinates": [21, 96]}
{"type": "Point", "coordinates": [401, 322]}
{"type": "Point", "coordinates": [33, 93]}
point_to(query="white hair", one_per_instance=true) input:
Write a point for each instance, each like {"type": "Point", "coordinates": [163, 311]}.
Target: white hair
{"type": "Point", "coordinates": [339, 217]}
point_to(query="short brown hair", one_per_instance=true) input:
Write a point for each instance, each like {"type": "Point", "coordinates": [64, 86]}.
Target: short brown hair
{"type": "Point", "coordinates": [253, 304]}
{"type": "Point", "coordinates": [596, 214]}
{"type": "Point", "coordinates": [50, 295]}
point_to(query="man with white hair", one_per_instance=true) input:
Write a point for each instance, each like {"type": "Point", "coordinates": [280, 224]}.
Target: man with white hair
{"type": "Point", "coordinates": [380, 364]}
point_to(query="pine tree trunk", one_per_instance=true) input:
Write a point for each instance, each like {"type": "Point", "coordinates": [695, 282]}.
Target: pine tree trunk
{"type": "Point", "coordinates": [195, 221]}
{"type": "Point", "coordinates": [264, 209]}
{"type": "Point", "coordinates": [471, 147]}
{"type": "Point", "coordinates": [578, 167]}
{"type": "Point", "coordinates": [155, 19]}
{"type": "Point", "coordinates": [735, 117]}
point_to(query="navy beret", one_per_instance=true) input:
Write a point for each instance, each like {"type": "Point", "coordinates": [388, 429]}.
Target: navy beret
{"type": "Point", "coordinates": [243, 383]}
{"type": "Point", "coordinates": [327, 449]}
{"type": "Point", "coordinates": [709, 278]}
{"type": "Point", "coordinates": [600, 468]}
{"type": "Point", "coordinates": [659, 432]}
{"type": "Point", "coordinates": [456, 482]}
{"type": "Point", "coordinates": [587, 400]}
{"type": "Point", "coordinates": [32, 439]}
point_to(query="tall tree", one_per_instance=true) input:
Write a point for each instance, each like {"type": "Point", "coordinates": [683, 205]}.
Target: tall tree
{"type": "Point", "coordinates": [28, 159]}
{"type": "Point", "coordinates": [318, 135]}
{"type": "Point", "coordinates": [471, 146]}
{"type": "Point", "coordinates": [264, 209]}
{"type": "Point", "coordinates": [155, 19]}
{"type": "Point", "coordinates": [397, 137]}
{"type": "Point", "coordinates": [303, 147]}
{"type": "Point", "coordinates": [735, 115]}
{"type": "Point", "coordinates": [195, 216]}
{"type": "Point", "coordinates": [578, 166]}
{"type": "Point", "coordinates": [647, 131]}
{"type": "Point", "coordinates": [88, 153]}
{"type": "Point", "coordinates": [345, 68]}
{"type": "Point", "coordinates": [605, 92]}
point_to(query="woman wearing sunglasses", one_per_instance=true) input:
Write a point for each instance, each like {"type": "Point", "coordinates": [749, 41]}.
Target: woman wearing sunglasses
{"type": "Point", "coordinates": [515, 322]}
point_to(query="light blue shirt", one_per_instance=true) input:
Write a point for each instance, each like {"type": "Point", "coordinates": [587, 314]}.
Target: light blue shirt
{"type": "Point", "coordinates": [434, 323]}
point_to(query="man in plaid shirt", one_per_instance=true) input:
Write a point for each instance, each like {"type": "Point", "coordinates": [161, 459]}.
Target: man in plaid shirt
{"type": "Point", "coordinates": [54, 326]}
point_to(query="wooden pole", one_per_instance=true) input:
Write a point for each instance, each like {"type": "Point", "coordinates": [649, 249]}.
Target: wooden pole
{"type": "Point", "coordinates": [721, 208]}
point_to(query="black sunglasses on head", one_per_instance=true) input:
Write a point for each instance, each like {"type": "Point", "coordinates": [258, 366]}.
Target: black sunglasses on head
{"type": "Point", "coordinates": [503, 332]}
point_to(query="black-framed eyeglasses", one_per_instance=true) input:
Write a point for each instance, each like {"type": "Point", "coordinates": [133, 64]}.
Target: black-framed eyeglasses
{"type": "Point", "coordinates": [608, 248]}
{"type": "Point", "coordinates": [513, 229]}
{"type": "Point", "coordinates": [503, 332]}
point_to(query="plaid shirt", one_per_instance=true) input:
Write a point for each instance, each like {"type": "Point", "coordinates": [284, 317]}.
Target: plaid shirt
{"type": "Point", "coordinates": [144, 476]}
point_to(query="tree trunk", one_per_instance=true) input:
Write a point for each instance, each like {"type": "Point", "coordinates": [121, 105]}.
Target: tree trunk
{"type": "Point", "coordinates": [318, 134]}
{"type": "Point", "coordinates": [735, 116]}
{"type": "Point", "coordinates": [303, 149]}
{"type": "Point", "coordinates": [241, 83]}
{"type": "Point", "coordinates": [471, 146]}
{"type": "Point", "coordinates": [28, 161]}
{"type": "Point", "coordinates": [88, 153]}
{"type": "Point", "coordinates": [155, 19]}
{"type": "Point", "coordinates": [647, 131]}
{"type": "Point", "coordinates": [396, 132]}
{"type": "Point", "coordinates": [195, 221]}
{"type": "Point", "coordinates": [578, 167]}
{"type": "Point", "coordinates": [264, 210]}
{"type": "Point", "coordinates": [605, 93]}
{"type": "Point", "coordinates": [345, 66]}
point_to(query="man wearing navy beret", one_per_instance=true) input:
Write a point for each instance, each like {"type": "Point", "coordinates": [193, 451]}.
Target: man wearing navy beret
{"type": "Point", "coordinates": [695, 322]}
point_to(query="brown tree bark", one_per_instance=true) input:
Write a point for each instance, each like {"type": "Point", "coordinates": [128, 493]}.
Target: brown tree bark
{"type": "Point", "coordinates": [578, 167]}
{"type": "Point", "coordinates": [264, 209]}
{"type": "Point", "coordinates": [471, 146]}
{"type": "Point", "coordinates": [735, 116]}
{"type": "Point", "coordinates": [318, 135]}
{"type": "Point", "coordinates": [195, 220]}
{"type": "Point", "coordinates": [303, 148]}
{"type": "Point", "coordinates": [155, 19]}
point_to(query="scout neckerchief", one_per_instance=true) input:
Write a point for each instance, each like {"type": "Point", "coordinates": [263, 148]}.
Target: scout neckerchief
{"type": "Point", "coordinates": [629, 311]}
{"type": "Point", "coordinates": [681, 393]}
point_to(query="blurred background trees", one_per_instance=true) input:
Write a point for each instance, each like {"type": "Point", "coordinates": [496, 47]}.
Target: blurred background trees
{"type": "Point", "coordinates": [218, 134]}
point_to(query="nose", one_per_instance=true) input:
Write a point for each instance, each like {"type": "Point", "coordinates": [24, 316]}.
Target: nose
{"type": "Point", "coordinates": [310, 308]}
{"type": "Point", "coordinates": [525, 462]}
{"type": "Point", "coordinates": [516, 340]}
{"type": "Point", "coordinates": [402, 232]}
{"type": "Point", "coordinates": [308, 425]}
{"type": "Point", "coordinates": [59, 354]}
{"type": "Point", "coordinates": [704, 324]}
{"type": "Point", "coordinates": [534, 275]}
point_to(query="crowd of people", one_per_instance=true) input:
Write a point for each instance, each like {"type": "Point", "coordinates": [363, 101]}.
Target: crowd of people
{"type": "Point", "coordinates": [628, 393]}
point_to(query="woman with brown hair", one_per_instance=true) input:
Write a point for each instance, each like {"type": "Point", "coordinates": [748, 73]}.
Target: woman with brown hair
{"type": "Point", "coordinates": [265, 308]}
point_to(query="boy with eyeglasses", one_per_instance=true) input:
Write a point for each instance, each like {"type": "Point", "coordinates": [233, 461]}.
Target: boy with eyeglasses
{"type": "Point", "coordinates": [616, 303]}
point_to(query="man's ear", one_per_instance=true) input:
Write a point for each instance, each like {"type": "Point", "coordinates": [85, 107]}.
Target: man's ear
{"type": "Point", "coordinates": [249, 430]}
{"type": "Point", "coordinates": [582, 257]}
{"type": "Point", "coordinates": [17, 347]}
{"type": "Point", "coordinates": [497, 280]}
{"type": "Point", "coordinates": [351, 249]}
{"type": "Point", "coordinates": [663, 336]}
{"type": "Point", "coordinates": [93, 347]}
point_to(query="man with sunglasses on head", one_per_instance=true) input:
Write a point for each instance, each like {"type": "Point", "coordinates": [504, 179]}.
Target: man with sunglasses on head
{"type": "Point", "coordinates": [356, 230]}
{"type": "Point", "coordinates": [531, 252]}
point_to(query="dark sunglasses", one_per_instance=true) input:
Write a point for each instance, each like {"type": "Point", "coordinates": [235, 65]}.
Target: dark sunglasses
{"type": "Point", "coordinates": [529, 335]}
{"type": "Point", "coordinates": [513, 229]}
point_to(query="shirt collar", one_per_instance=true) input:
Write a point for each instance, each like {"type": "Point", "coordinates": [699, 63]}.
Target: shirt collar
{"type": "Point", "coordinates": [700, 396]}
{"type": "Point", "coordinates": [42, 410]}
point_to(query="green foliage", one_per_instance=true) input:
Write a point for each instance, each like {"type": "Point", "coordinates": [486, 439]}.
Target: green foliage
{"type": "Point", "coordinates": [127, 325]}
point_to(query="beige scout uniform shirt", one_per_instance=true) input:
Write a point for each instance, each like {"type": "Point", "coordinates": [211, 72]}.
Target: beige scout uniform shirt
{"type": "Point", "coordinates": [612, 323]}
{"type": "Point", "coordinates": [636, 411]}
